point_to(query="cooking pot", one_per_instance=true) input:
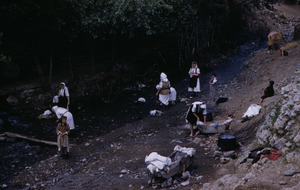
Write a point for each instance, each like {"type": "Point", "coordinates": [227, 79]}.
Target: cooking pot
{"type": "Point", "coordinates": [227, 142]}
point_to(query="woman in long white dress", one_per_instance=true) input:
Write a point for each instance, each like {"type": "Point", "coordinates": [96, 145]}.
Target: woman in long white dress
{"type": "Point", "coordinates": [194, 85]}
{"type": "Point", "coordinates": [59, 112]}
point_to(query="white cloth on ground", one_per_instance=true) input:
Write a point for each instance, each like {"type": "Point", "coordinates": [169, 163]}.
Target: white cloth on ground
{"type": "Point", "coordinates": [189, 151]}
{"type": "Point", "coordinates": [157, 162]}
{"type": "Point", "coordinates": [252, 111]}
{"type": "Point", "coordinates": [59, 111]}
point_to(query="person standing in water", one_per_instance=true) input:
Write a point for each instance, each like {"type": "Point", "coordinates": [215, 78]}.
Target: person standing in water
{"type": "Point", "coordinates": [194, 85]}
{"type": "Point", "coordinates": [63, 96]}
{"type": "Point", "coordinates": [212, 87]}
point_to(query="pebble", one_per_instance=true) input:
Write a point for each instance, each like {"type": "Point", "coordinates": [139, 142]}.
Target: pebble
{"type": "Point", "coordinates": [83, 160]}
{"type": "Point", "coordinates": [282, 183]}
{"type": "Point", "coordinates": [199, 177]}
{"type": "Point", "coordinates": [289, 172]}
{"type": "Point", "coordinates": [87, 144]}
{"type": "Point", "coordinates": [124, 171]}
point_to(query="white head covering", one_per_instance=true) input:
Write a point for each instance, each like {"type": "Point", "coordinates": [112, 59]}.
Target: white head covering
{"type": "Point", "coordinates": [64, 84]}
{"type": "Point", "coordinates": [163, 77]}
{"type": "Point", "coordinates": [54, 108]}
{"type": "Point", "coordinates": [194, 62]}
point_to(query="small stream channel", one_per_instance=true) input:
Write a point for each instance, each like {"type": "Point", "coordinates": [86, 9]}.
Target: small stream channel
{"type": "Point", "coordinates": [96, 118]}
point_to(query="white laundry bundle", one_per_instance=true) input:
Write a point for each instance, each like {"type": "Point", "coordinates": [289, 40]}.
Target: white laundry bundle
{"type": "Point", "coordinates": [157, 162]}
{"type": "Point", "coordinates": [156, 113]}
{"type": "Point", "coordinates": [252, 111]}
{"type": "Point", "coordinates": [189, 151]}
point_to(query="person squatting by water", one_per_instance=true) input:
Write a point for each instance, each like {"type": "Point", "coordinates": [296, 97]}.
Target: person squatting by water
{"type": "Point", "coordinates": [212, 87]}
{"type": "Point", "coordinates": [60, 112]}
{"type": "Point", "coordinates": [62, 131]}
{"type": "Point", "coordinates": [165, 92]}
{"type": "Point", "coordinates": [63, 96]}
{"type": "Point", "coordinates": [268, 92]}
{"type": "Point", "coordinates": [194, 85]}
{"type": "Point", "coordinates": [196, 113]}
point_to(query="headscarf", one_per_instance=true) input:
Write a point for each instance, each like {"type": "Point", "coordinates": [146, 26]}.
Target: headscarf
{"type": "Point", "coordinates": [64, 84]}
{"type": "Point", "coordinates": [194, 62]}
{"type": "Point", "coordinates": [54, 108]}
{"type": "Point", "coordinates": [163, 77]}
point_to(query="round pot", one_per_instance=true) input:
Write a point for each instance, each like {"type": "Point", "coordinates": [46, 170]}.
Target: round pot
{"type": "Point", "coordinates": [227, 142]}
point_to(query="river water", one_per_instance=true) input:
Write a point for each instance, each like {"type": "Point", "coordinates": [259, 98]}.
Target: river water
{"type": "Point", "coordinates": [96, 118]}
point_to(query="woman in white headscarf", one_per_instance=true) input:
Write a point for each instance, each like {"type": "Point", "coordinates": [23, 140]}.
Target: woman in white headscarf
{"type": "Point", "coordinates": [63, 96]}
{"type": "Point", "coordinates": [163, 89]}
{"type": "Point", "coordinates": [194, 85]}
{"type": "Point", "coordinates": [59, 112]}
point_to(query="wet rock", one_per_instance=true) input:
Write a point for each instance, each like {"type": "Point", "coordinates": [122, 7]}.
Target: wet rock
{"type": "Point", "coordinates": [185, 183]}
{"type": "Point", "coordinates": [83, 160]}
{"type": "Point", "coordinates": [13, 101]}
{"type": "Point", "coordinates": [289, 172]}
{"type": "Point", "coordinates": [229, 153]}
{"type": "Point", "coordinates": [218, 153]}
{"type": "Point", "coordinates": [282, 183]}
{"type": "Point", "coordinates": [124, 171]}
{"type": "Point", "coordinates": [206, 185]}
{"type": "Point", "coordinates": [167, 183]}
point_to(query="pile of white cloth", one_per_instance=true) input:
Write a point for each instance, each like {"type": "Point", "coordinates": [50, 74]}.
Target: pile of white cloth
{"type": "Point", "coordinates": [252, 111]}
{"type": "Point", "coordinates": [189, 151]}
{"type": "Point", "coordinates": [157, 162]}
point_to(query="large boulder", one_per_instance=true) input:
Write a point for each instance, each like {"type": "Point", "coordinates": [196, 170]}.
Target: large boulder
{"type": "Point", "coordinates": [275, 40]}
{"type": "Point", "coordinates": [297, 32]}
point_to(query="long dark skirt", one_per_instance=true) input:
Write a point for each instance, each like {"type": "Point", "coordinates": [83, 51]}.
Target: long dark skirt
{"type": "Point", "coordinates": [193, 82]}
{"type": "Point", "coordinates": [192, 119]}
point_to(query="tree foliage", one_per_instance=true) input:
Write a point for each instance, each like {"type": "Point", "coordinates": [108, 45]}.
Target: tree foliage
{"type": "Point", "coordinates": [128, 17]}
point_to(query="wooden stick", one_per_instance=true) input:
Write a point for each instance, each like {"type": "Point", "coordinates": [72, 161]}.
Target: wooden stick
{"type": "Point", "coordinates": [15, 135]}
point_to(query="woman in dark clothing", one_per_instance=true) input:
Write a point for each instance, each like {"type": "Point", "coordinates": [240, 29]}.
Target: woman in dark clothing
{"type": "Point", "coordinates": [269, 91]}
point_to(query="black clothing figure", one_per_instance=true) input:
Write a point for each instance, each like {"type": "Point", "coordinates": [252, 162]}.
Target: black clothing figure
{"type": "Point", "coordinates": [269, 91]}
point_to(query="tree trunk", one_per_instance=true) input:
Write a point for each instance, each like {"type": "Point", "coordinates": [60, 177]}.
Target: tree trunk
{"type": "Point", "coordinates": [50, 68]}
{"type": "Point", "coordinates": [39, 69]}
{"type": "Point", "coordinates": [15, 135]}
{"type": "Point", "coordinates": [71, 66]}
{"type": "Point", "coordinates": [92, 61]}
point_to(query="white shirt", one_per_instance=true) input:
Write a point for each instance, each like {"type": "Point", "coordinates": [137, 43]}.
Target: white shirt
{"type": "Point", "coordinates": [63, 92]}
{"type": "Point", "coordinates": [194, 71]}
